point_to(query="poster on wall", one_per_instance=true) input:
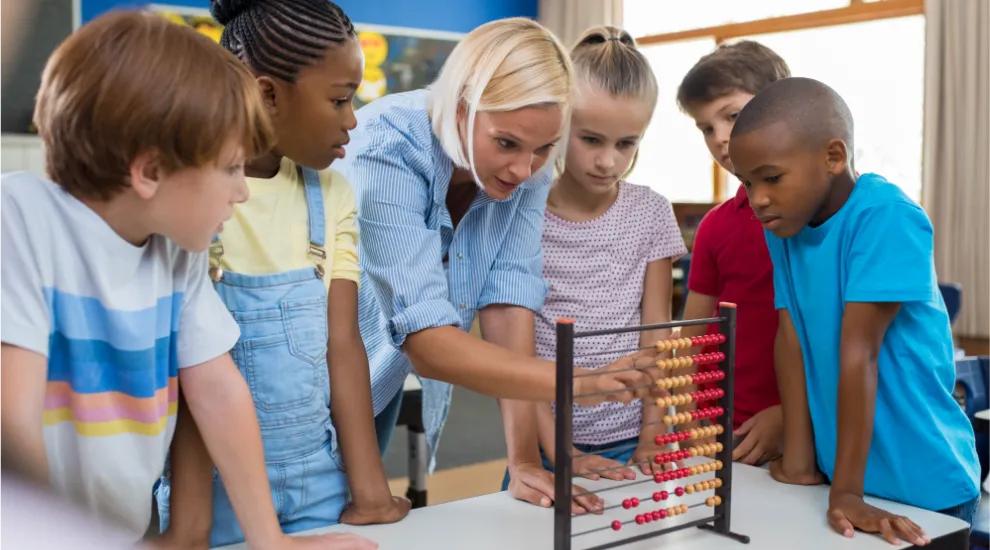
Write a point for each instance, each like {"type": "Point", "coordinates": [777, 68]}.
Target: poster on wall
{"type": "Point", "coordinates": [396, 59]}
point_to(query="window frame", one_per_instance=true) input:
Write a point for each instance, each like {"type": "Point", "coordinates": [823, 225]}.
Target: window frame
{"type": "Point", "coordinates": [857, 11]}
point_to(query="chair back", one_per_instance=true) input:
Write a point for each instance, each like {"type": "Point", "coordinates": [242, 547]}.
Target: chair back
{"type": "Point", "coordinates": [952, 296]}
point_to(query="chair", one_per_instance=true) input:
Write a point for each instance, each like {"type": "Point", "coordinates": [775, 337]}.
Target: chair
{"type": "Point", "coordinates": [952, 296]}
{"type": "Point", "coordinates": [971, 391]}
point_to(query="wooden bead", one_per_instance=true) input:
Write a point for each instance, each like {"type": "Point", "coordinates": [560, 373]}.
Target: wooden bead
{"type": "Point", "coordinates": [718, 482]}
{"type": "Point", "coordinates": [710, 502]}
{"type": "Point", "coordinates": [719, 429]}
{"type": "Point", "coordinates": [689, 489]}
{"type": "Point", "coordinates": [694, 470]}
{"type": "Point", "coordinates": [718, 464]}
{"type": "Point", "coordinates": [685, 362]}
{"type": "Point", "coordinates": [668, 420]}
{"type": "Point", "coordinates": [718, 500]}
{"type": "Point", "coordinates": [685, 342]}
{"type": "Point", "coordinates": [693, 451]}
{"type": "Point", "coordinates": [693, 433]}
{"type": "Point", "coordinates": [684, 508]}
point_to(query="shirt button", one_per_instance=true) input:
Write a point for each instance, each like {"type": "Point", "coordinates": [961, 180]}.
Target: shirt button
{"type": "Point", "coordinates": [460, 256]}
{"type": "Point", "coordinates": [463, 306]}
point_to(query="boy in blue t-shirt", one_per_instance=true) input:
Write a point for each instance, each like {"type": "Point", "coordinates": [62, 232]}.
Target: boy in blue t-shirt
{"type": "Point", "coordinates": [859, 306]}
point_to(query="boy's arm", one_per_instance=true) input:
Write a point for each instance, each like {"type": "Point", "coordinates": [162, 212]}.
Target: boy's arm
{"type": "Point", "coordinates": [23, 379]}
{"type": "Point", "coordinates": [353, 414]}
{"type": "Point", "coordinates": [191, 487]}
{"type": "Point", "coordinates": [863, 327]}
{"type": "Point", "coordinates": [799, 464]}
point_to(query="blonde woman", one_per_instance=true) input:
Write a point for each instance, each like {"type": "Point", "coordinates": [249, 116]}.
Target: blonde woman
{"type": "Point", "coordinates": [451, 185]}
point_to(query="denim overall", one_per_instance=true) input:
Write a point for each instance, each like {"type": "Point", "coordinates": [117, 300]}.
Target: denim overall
{"type": "Point", "coordinates": [282, 354]}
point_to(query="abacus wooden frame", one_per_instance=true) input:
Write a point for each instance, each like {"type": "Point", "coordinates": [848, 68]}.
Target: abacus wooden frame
{"type": "Point", "coordinates": [720, 521]}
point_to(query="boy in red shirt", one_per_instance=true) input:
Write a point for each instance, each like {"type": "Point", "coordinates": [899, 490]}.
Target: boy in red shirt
{"type": "Point", "coordinates": [730, 261]}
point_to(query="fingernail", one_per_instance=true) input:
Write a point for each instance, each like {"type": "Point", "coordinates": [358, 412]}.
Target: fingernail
{"type": "Point", "coordinates": [544, 501]}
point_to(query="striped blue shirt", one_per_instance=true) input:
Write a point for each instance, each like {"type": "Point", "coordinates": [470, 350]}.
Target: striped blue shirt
{"type": "Point", "coordinates": [400, 174]}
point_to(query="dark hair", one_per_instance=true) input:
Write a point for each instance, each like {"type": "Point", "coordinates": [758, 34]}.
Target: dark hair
{"type": "Point", "coordinates": [744, 66]}
{"type": "Point", "coordinates": [814, 112]}
{"type": "Point", "coordinates": [279, 38]}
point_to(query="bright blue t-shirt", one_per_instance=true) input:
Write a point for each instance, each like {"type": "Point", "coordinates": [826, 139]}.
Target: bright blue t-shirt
{"type": "Point", "coordinates": [878, 248]}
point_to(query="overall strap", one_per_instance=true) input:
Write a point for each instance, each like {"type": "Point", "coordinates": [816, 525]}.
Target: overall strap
{"type": "Point", "coordinates": [317, 218]}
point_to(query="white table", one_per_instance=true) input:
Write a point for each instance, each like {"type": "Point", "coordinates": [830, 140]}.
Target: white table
{"type": "Point", "coordinates": [773, 515]}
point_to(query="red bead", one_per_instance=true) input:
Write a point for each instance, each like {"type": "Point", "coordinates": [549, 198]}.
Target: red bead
{"type": "Point", "coordinates": [635, 501]}
{"type": "Point", "coordinates": [626, 504]}
{"type": "Point", "coordinates": [659, 440]}
{"type": "Point", "coordinates": [664, 495]}
{"type": "Point", "coordinates": [657, 497]}
{"type": "Point", "coordinates": [658, 459]}
{"type": "Point", "coordinates": [640, 520]}
{"type": "Point", "coordinates": [656, 515]}
{"type": "Point", "coordinates": [679, 491]}
{"type": "Point", "coordinates": [647, 517]}
{"type": "Point", "coordinates": [685, 436]}
{"type": "Point", "coordinates": [663, 514]}
{"type": "Point", "coordinates": [720, 410]}
{"type": "Point", "coordinates": [657, 478]}
{"type": "Point", "coordinates": [616, 525]}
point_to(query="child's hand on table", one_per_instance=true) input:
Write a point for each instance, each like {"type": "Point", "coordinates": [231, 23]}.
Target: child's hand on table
{"type": "Point", "coordinates": [594, 467]}
{"type": "Point", "coordinates": [530, 482]}
{"type": "Point", "coordinates": [647, 450]}
{"type": "Point", "coordinates": [390, 511]}
{"type": "Point", "coordinates": [759, 438]}
{"type": "Point", "coordinates": [847, 512]}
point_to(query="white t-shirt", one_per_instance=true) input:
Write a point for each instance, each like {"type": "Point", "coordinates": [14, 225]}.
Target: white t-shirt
{"type": "Point", "coordinates": [116, 323]}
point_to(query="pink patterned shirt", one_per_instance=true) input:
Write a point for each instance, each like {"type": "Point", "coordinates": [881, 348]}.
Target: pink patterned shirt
{"type": "Point", "coordinates": [595, 270]}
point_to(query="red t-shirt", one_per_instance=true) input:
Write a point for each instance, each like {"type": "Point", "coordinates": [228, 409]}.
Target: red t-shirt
{"type": "Point", "coordinates": [730, 261]}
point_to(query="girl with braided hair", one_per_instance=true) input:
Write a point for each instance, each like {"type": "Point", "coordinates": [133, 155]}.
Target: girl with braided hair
{"type": "Point", "coordinates": [286, 266]}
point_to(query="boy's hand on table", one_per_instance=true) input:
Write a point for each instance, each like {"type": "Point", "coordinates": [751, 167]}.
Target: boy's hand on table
{"type": "Point", "coordinates": [391, 511]}
{"type": "Point", "coordinates": [760, 437]}
{"type": "Point", "coordinates": [847, 512]}
{"type": "Point", "coordinates": [648, 449]}
{"type": "Point", "coordinates": [531, 483]}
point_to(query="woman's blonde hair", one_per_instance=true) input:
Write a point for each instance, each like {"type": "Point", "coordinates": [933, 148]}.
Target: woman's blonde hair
{"type": "Point", "coordinates": [606, 59]}
{"type": "Point", "coordinates": [503, 65]}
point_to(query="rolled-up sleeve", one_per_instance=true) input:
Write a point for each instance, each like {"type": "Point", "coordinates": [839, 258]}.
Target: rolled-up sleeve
{"type": "Point", "coordinates": [516, 277]}
{"type": "Point", "coordinates": [399, 253]}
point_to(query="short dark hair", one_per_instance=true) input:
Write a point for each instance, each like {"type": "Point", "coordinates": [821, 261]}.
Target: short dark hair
{"type": "Point", "coordinates": [744, 66]}
{"type": "Point", "coordinates": [279, 38]}
{"type": "Point", "coordinates": [131, 82]}
{"type": "Point", "coordinates": [813, 111]}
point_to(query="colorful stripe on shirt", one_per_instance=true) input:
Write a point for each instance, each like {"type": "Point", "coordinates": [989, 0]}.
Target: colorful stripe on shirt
{"type": "Point", "coordinates": [112, 371]}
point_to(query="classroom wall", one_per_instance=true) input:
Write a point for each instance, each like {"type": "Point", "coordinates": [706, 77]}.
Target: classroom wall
{"type": "Point", "coordinates": [24, 152]}
{"type": "Point", "coordinates": [440, 15]}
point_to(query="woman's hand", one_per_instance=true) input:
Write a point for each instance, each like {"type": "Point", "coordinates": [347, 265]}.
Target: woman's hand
{"type": "Point", "coordinates": [630, 378]}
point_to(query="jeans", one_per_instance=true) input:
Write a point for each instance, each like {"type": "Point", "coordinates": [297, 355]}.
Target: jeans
{"type": "Point", "coordinates": [386, 421]}
{"type": "Point", "coordinates": [620, 451]}
{"type": "Point", "coordinates": [965, 511]}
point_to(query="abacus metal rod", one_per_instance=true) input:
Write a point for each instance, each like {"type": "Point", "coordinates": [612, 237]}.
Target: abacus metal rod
{"type": "Point", "coordinates": [644, 328]}
{"type": "Point", "coordinates": [651, 534]}
{"type": "Point", "coordinates": [727, 327]}
{"type": "Point", "coordinates": [564, 434]}
{"type": "Point", "coordinates": [609, 527]}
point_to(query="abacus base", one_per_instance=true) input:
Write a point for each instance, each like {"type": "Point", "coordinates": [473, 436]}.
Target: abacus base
{"type": "Point", "coordinates": [734, 536]}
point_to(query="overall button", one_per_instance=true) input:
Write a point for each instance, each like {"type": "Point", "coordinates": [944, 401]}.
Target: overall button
{"type": "Point", "coordinates": [460, 256]}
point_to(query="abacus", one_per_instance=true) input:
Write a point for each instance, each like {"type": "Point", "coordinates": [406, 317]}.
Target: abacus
{"type": "Point", "coordinates": [719, 424]}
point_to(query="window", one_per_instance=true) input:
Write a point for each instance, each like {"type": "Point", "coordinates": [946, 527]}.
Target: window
{"type": "Point", "coordinates": [646, 17]}
{"type": "Point", "coordinates": [673, 159]}
{"type": "Point", "coordinates": [878, 68]}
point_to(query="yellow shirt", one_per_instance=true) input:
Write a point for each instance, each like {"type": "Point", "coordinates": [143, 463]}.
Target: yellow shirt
{"type": "Point", "coordinates": [270, 232]}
